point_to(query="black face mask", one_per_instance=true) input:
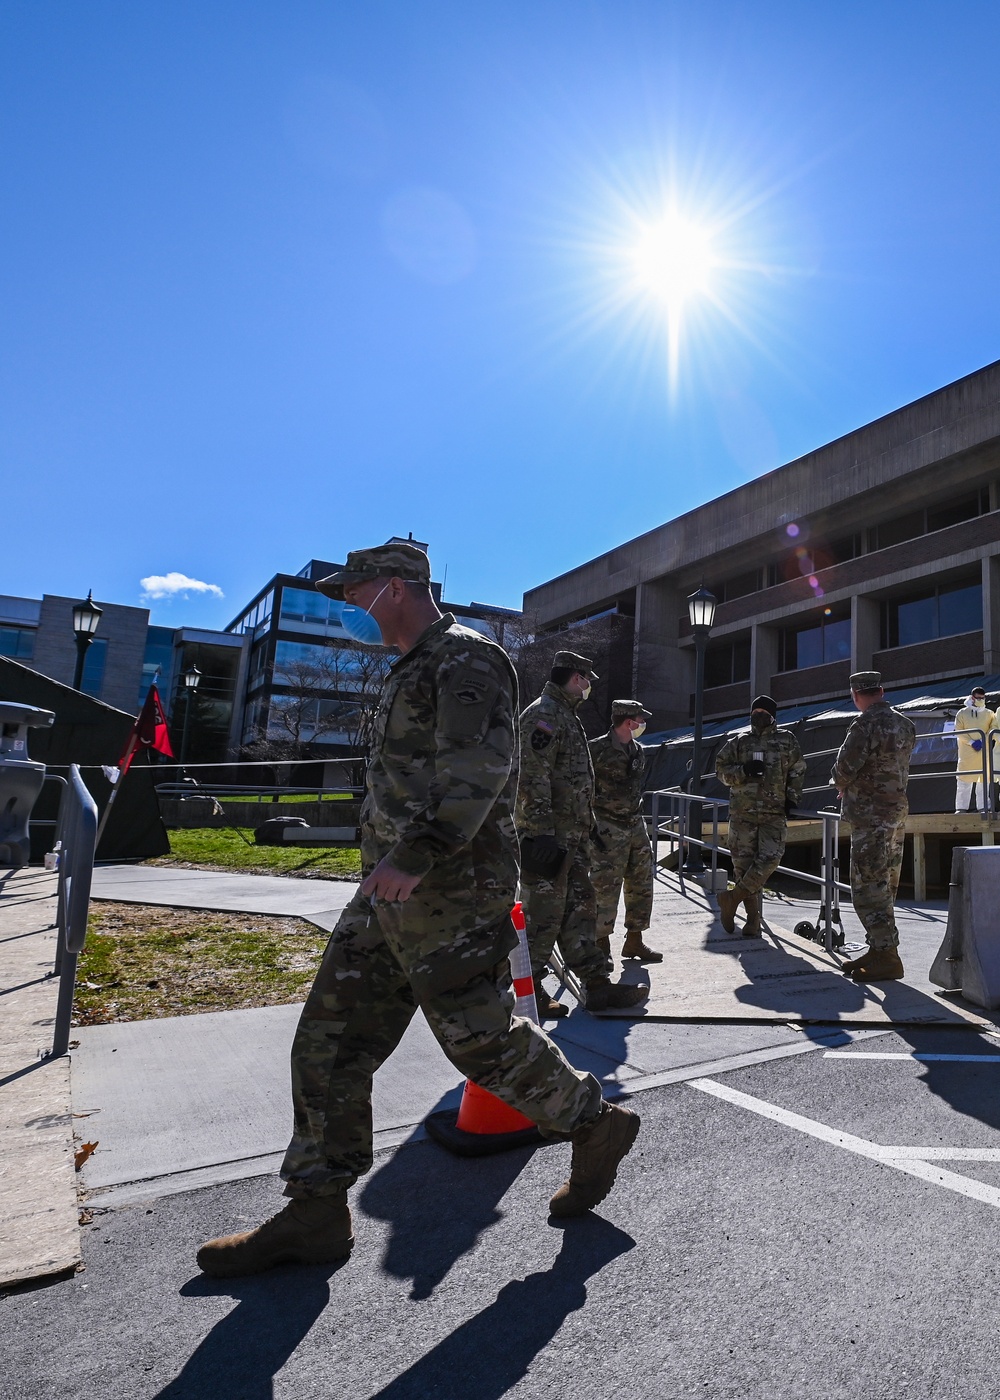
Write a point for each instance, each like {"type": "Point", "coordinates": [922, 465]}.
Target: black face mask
{"type": "Point", "coordinates": [760, 720]}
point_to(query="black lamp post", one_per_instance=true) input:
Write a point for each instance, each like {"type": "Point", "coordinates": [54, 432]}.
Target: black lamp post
{"type": "Point", "coordinates": [191, 678]}
{"type": "Point", "coordinates": [701, 611]}
{"type": "Point", "coordinates": [86, 616]}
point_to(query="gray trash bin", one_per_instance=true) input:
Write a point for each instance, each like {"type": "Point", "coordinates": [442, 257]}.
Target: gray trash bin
{"type": "Point", "coordinates": [20, 778]}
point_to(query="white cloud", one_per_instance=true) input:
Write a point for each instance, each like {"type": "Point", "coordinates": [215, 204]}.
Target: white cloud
{"type": "Point", "coordinates": [174, 585]}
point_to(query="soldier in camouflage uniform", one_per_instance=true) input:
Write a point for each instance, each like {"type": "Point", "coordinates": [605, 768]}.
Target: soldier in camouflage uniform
{"type": "Point", "coordinates": [429, 926]}
{"type": "Point", "coordinates": [871, 773]}
{"type": "Point", "coordinates": [555, 821]}
{"type": "Point", "coordinates": [765, 771]}
{"type": "Point", "coordinates": [622, 853]}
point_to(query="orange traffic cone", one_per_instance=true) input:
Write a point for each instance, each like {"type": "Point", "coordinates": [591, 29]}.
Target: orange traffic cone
{"type": "Point", "coordinates": [485, 1124]}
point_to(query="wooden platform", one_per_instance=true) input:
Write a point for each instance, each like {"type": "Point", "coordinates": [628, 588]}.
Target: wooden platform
{"type": "Point", "coordinates": [919, 825]}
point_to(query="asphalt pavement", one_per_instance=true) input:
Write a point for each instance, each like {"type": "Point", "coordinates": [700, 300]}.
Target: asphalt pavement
{"type": "Point", "coordinates": [757, 1245]}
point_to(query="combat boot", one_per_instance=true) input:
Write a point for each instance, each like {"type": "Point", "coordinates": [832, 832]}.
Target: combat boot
{"type": "Point", "coordinates": [729, 902]}
{"type": "Point", "coordinates": [751, 903]}
{"type": "Point", "coordinates": [548, 1008]}
{"type": "Point", "coordinates": [603, 995]}
{"type": "Point", "coordinates": [879, 965]}
{"type": "Point", "coordinates": [605, 946]}
{"type": "Point", "coordinates": [598, 1148]}
{"type": "Point", "coordinates": [316, 1230]}
{"type": "Point", "coordinates": [635, 948]}
{"type": "Point", "coordinates": [852, 963]}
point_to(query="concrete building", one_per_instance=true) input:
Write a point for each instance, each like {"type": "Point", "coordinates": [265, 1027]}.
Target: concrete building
{"type": "Point", "coordinates": [880, 550]}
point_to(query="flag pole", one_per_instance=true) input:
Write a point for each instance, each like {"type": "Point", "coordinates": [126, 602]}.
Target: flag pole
{"type": "Point", "coordinates": [124, 765]}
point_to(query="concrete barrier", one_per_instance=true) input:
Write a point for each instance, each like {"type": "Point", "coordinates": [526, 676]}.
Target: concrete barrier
{"type": "Point", "coordinates": [968, 960]}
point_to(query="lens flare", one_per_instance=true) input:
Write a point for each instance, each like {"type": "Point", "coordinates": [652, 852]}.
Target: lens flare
{"type": "Point", "coordinates": [674, 260]}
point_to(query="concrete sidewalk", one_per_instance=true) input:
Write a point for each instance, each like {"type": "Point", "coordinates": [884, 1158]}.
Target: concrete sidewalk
{"type": "Point", "coordinates": [319, 901]}
{"type": "Point", "coordinates": [39, 1232]}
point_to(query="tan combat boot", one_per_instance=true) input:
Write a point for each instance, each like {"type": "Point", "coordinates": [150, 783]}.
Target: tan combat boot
{"type": "Point", "coordinates": [852, 963]}
{"type": "Point", "coordinates": [751, 903]}
{"type": "Point", "coordinates": [729, 902]}
{"type": "Point", "coordinates": [598, 1147]}
{"type": "Point", "coordinates": [602, 994]}
{"type": "Point", "coordinates": [548, 1008]}
{"type": "Point", "coordinates": [879, 965]}
{"type": "Point", "coordinates": [635, 948]}
{"type": "Point", "coordinates": [316, 1230]}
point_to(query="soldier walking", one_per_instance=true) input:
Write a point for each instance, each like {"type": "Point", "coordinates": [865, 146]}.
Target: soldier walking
{"type": "Point", "coordinates": [429, 926]}
{"type": "Point", "coordinates": [765, 771]}
{"type": "Point", "coordinates": [622, 853]}
{"type": "Point", "coordinates": [870, 773]}
{"type": "Point", "coordinates": [555, 821]}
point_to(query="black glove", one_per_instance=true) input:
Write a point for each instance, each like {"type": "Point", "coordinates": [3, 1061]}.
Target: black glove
{"type": "Point", "coordinates": [597, 840]}
{"type": "Point", "coordinates": [754, 768]}
{"type": "Point", "coordinates": [541, 855]}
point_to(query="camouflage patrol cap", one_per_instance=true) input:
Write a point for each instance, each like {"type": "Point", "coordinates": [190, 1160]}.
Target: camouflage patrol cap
{"type": "Point", "coordinates": [572, 662]}
{"type": "Point", "coordinates": [399, 560]}
{"type": "Point", "coordinates": [866, 680]}
{"type": "Point", "coordinates": [629, 709]}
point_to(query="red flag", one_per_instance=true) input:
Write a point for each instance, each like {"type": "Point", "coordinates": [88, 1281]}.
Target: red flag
{"type": "Point", "coordinates": [148, 732]}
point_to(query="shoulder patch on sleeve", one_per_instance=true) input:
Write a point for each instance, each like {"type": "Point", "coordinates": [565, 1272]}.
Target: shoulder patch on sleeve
{"type": "Point", "coordinates": [542, 735]}
{"type": "Point", "coordinates": [467, 703]}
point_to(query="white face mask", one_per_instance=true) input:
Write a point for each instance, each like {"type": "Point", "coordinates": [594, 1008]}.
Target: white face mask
{"type": "Point", "coordinates": [639, 730]}
{"type": "Point", "coordinates": [585, 692]}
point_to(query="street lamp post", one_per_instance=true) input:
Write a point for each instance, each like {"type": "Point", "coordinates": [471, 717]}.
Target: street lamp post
{"type": "Point", "coordinates": [701, 612]}
{"type": "Point", "coordinates": [86, 616]}
{"type": "Point", "coordinates": [191, 678]}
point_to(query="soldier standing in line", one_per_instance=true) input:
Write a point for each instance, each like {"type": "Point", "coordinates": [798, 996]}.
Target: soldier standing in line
{"type": "Point", "coordinates": [870, 773]}
{"type": "Point", "coordinates": [429, 926]}
{"type": "Point", "coordinates": [765, 771]}
{"type": "Point", "coordinates": [622, 853]}
{"type": "Point", "coordinates": [555, 821]}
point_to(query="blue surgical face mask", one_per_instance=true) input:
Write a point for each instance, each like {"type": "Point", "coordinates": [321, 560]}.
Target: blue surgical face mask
{"type": "Point", "coordinates": [359, 624]}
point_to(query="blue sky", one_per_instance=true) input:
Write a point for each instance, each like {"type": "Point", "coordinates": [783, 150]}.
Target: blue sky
{"type": "Point", "coordinates": [284, 279]}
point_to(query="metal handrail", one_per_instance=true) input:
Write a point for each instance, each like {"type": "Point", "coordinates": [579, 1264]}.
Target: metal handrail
{"type": "Point", "coordinates": [76, 841]}
{"type": "Point", "coordinates": [828, 881]}
{"type": "Point", "coordinates": [986, 760]}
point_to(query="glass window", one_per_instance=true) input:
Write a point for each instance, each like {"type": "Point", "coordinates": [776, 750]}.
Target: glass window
{"type": "Point", "coordinates": [314, 665]}
{"type": "Point", "coordinates": [960, 610]}
{"type": "Point", "coordinates": [94, 663]}
{"type": "Point", "coordinates": [952, 513]}
{"type": "Point", "coordinates": [945, 612]}
{"type": "Point", "coordinates": [740, 586]}
{"type": "Point", "coordinates": [18, 642]}
{"type": "Point", "coordinates": [903, 527]}
{"type": "Point", "coordinates": [824, 641]}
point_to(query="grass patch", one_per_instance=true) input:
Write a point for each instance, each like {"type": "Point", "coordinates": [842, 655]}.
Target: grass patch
{"type": "Point", "coordinates": [221, 848]}
{"type": "Point", "coordinates": [141, 961]}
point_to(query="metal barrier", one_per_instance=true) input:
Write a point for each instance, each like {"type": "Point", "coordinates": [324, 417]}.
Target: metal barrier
{"type": "Point", "coordinates": [76, 840]}
{"type": "Point", "coordinates": [986, 779]}
{"type": "Point", "coordinates": [679, 804]}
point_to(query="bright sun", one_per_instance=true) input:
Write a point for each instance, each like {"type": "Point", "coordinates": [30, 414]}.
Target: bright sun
{"type": "Point", "coordinates": [674, 260]}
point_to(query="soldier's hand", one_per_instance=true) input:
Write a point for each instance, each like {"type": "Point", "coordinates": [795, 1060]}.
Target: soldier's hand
{"type": "Point", "coordinates": [388, 883]}
{"type": "Point", "coordinates": [754, 768]}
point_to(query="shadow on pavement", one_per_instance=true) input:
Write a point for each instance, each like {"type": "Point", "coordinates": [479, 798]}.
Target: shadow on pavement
{"type": "Point", "coordinates": [242, 1354]}
{"type": "Point", "coordinates": [490, 1353]}
{"type": "Point", "coordinates": [437, 1206]}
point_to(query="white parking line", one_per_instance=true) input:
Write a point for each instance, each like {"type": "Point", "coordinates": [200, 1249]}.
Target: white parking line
{"type": "Point", "coordinates": [908, 1055]}
{"type": "Point", "coordinates": [898, 1158]}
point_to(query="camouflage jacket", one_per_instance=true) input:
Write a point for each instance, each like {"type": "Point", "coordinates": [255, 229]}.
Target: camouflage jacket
{"type": "Point", "coordinates": [619, 778]}
{"type": "Point", "coordinates": [873, 765]}
{"type": "Point", "coordinates": [555, 791]}
{"type": "Point", "coordinates": [443, 769]}
{"type": "Point", "coordinates": [784, 773]}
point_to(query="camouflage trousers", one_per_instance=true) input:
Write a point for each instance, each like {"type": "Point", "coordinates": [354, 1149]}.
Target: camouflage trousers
{"type": "Point", "coordinates": [563, 909]}
{"type": "Point", "coordinates": [360, 1004]}
{"type": "Point", "coordinates": [627, 859]}
{"type": "Point", "coordinates": [876, 857]}
{"type": "Point", "coordinates": [756, 848]}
